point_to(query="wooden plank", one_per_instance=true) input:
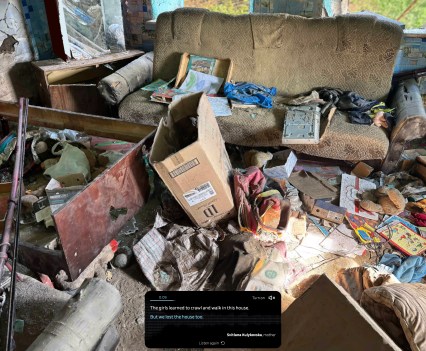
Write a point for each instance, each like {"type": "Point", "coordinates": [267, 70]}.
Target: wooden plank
{"type": "Point", "coordinates": [58, 64]}
{"type": "Point", "coordinates": [90, 124]}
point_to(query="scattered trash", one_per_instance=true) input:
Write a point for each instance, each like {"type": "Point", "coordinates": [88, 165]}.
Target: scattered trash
{"type": "Point", "coordinates": [350, 190]}
{"type": "Point", "coordinates": [174, 257]}
{"type": "Point", "coordinates": [129, 228]}
{"type": "Point", "coordinates": [280, 165]}
{"type": "Point", "coordinates": [261, 211]}
{"type": "Point", "coordinates": [123, 257]}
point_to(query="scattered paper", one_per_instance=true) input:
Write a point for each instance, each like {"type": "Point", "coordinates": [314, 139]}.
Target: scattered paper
{"type": "Point", "coordinates": [197, 81]}
{"type": "Point", "coordinates": [351, 187]}
{"type": "Point", "coordinates": [220, 106]}
{"type": "Point", "coordinates": [341, 242]}
{"type": "Point", "coordinates": [155, 85]}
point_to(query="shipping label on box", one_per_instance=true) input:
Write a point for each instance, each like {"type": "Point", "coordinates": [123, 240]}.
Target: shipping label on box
{"type": "Point", "coordinates": [189, 155]}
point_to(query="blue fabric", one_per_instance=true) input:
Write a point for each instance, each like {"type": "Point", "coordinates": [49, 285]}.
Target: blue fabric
{"type": "Point", "coordinates": [409, 270]}
{"type": "Point", "coordinates": [250, 93]}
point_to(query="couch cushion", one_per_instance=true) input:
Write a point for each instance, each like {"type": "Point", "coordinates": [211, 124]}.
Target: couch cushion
{"type": "Point", "coordinates": [137, 108]}
{"type": "Point", "coordinates": [262, 127]}
{"type": "Point", "coordinates": [400, 310]}
{"type": "Point", "coordinates": [292, 53]}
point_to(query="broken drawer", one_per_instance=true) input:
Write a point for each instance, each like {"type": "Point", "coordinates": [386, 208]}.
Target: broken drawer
{"type": "Point", "coordinates": [92, 218]}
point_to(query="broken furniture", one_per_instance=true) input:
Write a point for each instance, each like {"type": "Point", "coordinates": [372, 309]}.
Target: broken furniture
{"type": "Point", "coordinates": [411, 121]}
{"type": "Point", "coordinates": [291, 53]}
{"type": "Point", "coordinates": [87, 223]}
{"type": "Point", "coordinates": [71, 85]}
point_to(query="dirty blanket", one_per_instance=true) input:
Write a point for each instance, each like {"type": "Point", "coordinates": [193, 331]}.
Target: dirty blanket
{"type": "Point", "coordinates": [174, 257]}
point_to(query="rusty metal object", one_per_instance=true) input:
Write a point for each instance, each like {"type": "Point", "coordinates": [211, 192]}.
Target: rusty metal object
{"type": "Point", "coordinates": [84, 225]}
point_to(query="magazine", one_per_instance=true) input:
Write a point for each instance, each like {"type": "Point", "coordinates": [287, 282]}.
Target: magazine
{"type": "Point", "coordinates": [201, 64]}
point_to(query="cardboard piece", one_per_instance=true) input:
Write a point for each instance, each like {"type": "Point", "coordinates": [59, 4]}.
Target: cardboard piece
{"type": "Point", "coordinates": [329, 212]}
{"type": "Point", "coordinates": [194, 164]}
{"type": "Point", "coordinates": [312, 185]}
{"type": "Point", "coordinates": [332, 320]}
{"type": "Point", "coordinates": [362, 170]}
{"type": "Point", "coordinates": [58, 198]}
{"type": "Point", "coordinates": [281, 165]}
{"type": "Point", "coordinates": [297, 224]}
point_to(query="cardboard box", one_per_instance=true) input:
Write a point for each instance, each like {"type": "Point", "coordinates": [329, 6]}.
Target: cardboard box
{"type": "Point", "coordinates": [281, 165]}
{"type": "Point", "coordinates": [223, 68]}
{"type": "Point", "coordinates": [195, 167]}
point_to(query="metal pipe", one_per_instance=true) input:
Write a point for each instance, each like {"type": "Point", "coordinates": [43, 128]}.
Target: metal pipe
{"type": "Point", "coordinates": [21, 150]}
{"type": "Point", "coordinates": [5, 242]}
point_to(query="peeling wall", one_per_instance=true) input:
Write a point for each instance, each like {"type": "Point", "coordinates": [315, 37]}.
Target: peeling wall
{"type": "Point", "coordinates": [16, 76]}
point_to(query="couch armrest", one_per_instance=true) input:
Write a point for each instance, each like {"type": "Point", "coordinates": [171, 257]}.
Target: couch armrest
{"type": "Point", "coordinates": [410, 121]}
{"type": "Point", "coordinates": [127, 79]}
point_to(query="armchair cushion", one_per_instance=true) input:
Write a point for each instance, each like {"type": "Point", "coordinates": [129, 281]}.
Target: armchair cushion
{"type": "Point", "coordinates": [262, 127]}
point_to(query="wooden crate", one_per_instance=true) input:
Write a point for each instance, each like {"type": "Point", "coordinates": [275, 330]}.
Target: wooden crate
{"type": "Point", "coordinates": [71, 85]}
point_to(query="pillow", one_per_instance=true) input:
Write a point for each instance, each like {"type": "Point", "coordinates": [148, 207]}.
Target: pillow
{"type": "Point", "coordinates": [400, 309]}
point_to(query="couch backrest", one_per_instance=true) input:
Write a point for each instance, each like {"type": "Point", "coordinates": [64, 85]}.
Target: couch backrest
{"type": "Point", "coordinates": [294, 54]}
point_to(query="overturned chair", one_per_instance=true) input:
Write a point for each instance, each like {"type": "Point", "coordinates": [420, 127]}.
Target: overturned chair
{"type": "Point", "coordinates": [293, 54]}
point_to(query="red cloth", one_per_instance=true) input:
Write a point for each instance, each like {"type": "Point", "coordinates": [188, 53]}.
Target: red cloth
{"type": "Point", "coordinates": [257, 210]}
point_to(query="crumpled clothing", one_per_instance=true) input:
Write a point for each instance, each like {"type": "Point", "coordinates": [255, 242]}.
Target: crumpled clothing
{"type": "Point", "coordinates": [250, 93]}
{"type": "Point", "coordinates": [174, 257]}
{"type": "Point", "coordinates": [238, 255]}
{"type": "Point", "coordinates": [356, 280]}
{"type": "Point", "coordinates": [409, 270]}
{"type": "Point", "coordinates": [260, 211]}
{"type": "Point", "coordinates": [359, 109]}
{"type": "Point", "coordinates": [312, 98]}
{"type": "Point", "coordinates": [419, 219]}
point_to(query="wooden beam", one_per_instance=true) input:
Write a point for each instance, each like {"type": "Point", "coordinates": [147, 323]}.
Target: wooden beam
{"type": "Point", "coordinates": [90, 124]}
{"type": "Point", "coordinates": [407, 10]}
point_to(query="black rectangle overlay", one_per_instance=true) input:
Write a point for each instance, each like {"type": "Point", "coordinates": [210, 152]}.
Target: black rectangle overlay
{"type": "Point", "coordinates": [206, 319]}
